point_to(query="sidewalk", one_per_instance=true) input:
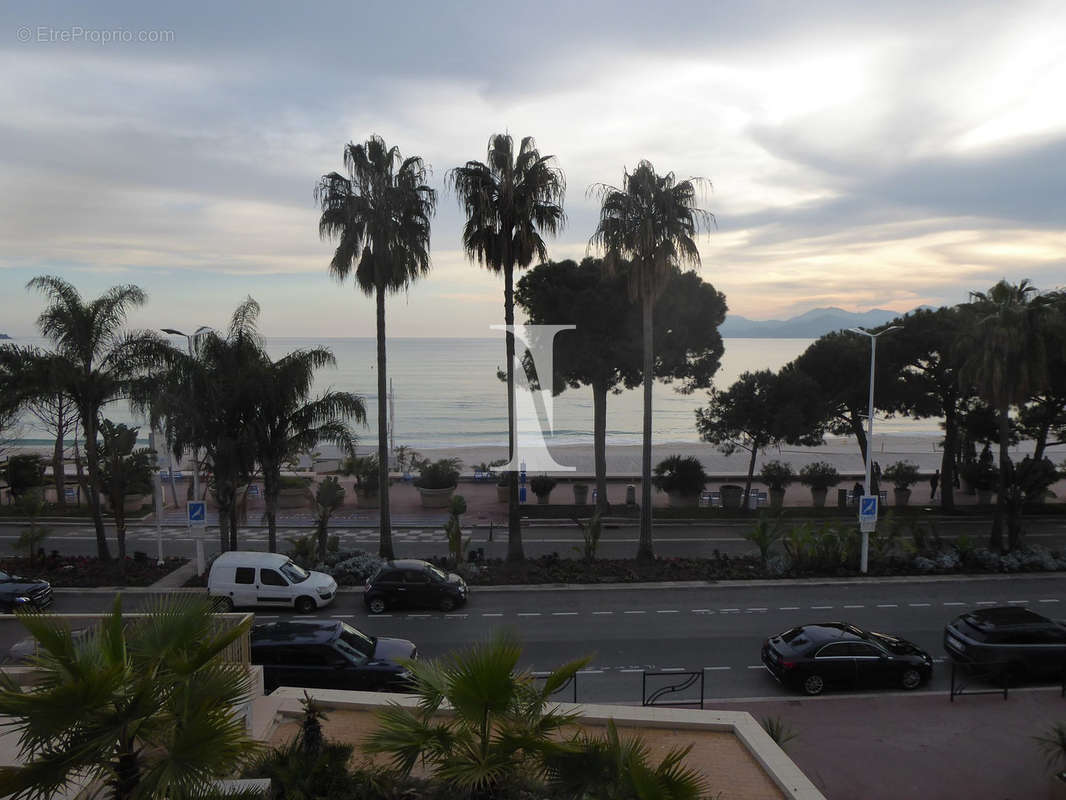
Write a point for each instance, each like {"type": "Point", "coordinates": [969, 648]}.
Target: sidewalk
{"type": "Point", "coordinates": [886, 747]}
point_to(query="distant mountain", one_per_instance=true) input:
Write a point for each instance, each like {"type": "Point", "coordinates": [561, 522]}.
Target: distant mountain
{"type": "Point", "coordinates": [811, 325]}
{"type": "Point", "coordinates": [4, 336]}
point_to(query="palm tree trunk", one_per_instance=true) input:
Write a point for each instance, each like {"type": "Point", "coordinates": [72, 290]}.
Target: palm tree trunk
{"type": "Point", "coordinates": [995, 541]}
{"type": "Point", "coordinates": [514, 529]}
{"type": "Point", "coordinates": [947, 463]}
{"type": "Point", "coordinates": [385, 524]}
{"type": "Point", "coordinates": [92, 466]}
{"type": "Point", "coordinates": [645, 551]}
{"type": "Point", "coordinates": [233, 522]}
{"type": "Point", "coordinates": [58, 473]}
{"type": "Point", "coordinates": [599, 442]}
{"type": "Point", "coordinates": [271, 489]}
{"type": "Point", "coordinates": [223, 529]}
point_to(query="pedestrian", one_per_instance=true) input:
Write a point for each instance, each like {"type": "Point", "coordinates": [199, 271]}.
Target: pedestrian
{"type": "Point", "coordinates": [933, 483]}
{"type": "Point", "coordinates": [875, 480]}
{"type": "Point", "coordinates": [856, 492]}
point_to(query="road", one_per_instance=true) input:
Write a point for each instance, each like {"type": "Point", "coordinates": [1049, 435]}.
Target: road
{"type": "Point", "coordinates": [715, 629]}
{"type": "Point", "coordinates": [671, 540]}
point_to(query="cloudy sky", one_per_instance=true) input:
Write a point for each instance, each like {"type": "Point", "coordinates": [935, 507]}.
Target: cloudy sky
{"type": "Point", "coordinates": [860, 157]}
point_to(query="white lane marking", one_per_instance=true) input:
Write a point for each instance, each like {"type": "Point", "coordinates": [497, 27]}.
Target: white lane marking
{"type": "Point", "coordinates": [630, 670]}
{"type": "Point", "coordinates": [918, 605]}
{"type": "Point", "coordinates": [1049, 601]}
{"type": "Point", "coordinates": [564, 613]}
{"type": "Point", "coordinates": [939, 660]}
{"type": "Point", "coordinates": [985, 603]}
{"type": "Point", "coordinates": [789, 608]}
{"type": "Point", "coordinates": [492, 615]}
{"type": "Point", "coordinates": [887, 605]}
{"type": "Point", "coordinates": [382, 616]}
{"type": "Point", "coordinates": [855, 606]}
{"type": "Point", "coordinates": [417, 616]}
{"type": "Point", "coordinates": [267, 616]}
{"type": "Point", "coordinates": [718, 668]}
{"type": "Point", "coordinates": [730, 609]}
{"type": "Point", "coordinates": [634, 612]}
{"type": "Point", "coordinates": [342, 616]}
{"type": "Point", "coordinates": [755, 666]}
{"type": "Point", "coordinates": [601, 613]}
{"type": "Point", "coordinates": [954, 604]}
{"type": "Point", "coordinates": [456, 616]}
{"type": "Point", "coordinates": [1017, 602]}
{"type": "Point", "coordinates": [666, 611]}
{"type": "Point", "coordinates": [590, 672]}
{"type": "Point", "coordinates": [702, 611]}
{"type": "Point", "coordinates": [756, 609]}
{"type": "Point", "coordinates": [672, 669]}
{"type": "Point", "coordinates": [820, 608]}
{"type": "Point", "coordinates": [529, 613]}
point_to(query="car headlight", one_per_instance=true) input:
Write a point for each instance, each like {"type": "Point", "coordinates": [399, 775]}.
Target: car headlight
{"type": "Point", "coordinates": [22, 599]}
{"type": "Point", "coordinates": [324, 591]}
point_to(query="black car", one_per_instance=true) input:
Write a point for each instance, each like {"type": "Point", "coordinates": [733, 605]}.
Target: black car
{"type": "Point", "coordinates": [811, 658]}
{"type": "Point", "coordinates": [409, 583]}
{"type": "Point", "coordinates": [17, 592]}
{"type": "Point", "coordinates": [325, 654]}
{"type": "Point", "coordinates": [1007, 641]}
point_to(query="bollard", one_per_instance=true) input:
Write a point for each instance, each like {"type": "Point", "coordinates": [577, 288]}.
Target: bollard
{"type": "Point", "coordinates": [631, 495]}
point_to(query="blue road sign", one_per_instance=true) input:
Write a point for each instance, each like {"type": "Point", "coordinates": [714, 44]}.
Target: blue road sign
{"type": "Point", "coordinates": [253, 490]}
{"type": "Point", "coordinates": [867, 512]}
{"type": "Point", "coordinates": [197, 511]}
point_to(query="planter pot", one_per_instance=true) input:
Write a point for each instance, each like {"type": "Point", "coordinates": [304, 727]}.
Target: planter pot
{"type": "Point", "coordinates": [777, 498]}
{"type": "Point", "coordinates": [293, 498]}
{"type": "Point", "coordinates": [367, 499]}
{"type": "Point", "coordinates": [581, 494]}
{"type": "Point", "coordinates": [436, 498]}
{"type": "Point", "coordinates": [984, 497]}
{"type": "Point", "coordinates": [682, 499]}
{"type": "Point", "coordinates": [818, 496]}
{"type": "Point", "coordinates": [902, 496]}
{"type": "Point", "coordinates": [542, 499]}
{"type": "Point", "coordinates": [501, 493]}
{"type": "Point", "coordinates": [731, 495]}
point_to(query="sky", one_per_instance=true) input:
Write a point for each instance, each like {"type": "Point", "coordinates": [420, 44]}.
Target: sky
{"type": "Point", "coordinates": [857, 156]}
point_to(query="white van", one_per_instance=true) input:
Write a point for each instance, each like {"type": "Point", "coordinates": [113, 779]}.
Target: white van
{"type": "Point", "coordinates": [250, 578]}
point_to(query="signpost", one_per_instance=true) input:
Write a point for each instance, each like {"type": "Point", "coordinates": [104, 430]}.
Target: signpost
{"type": "Point", "coordinates": [868, 513]}
{"type": "Point", "coordinates": [196, 517]}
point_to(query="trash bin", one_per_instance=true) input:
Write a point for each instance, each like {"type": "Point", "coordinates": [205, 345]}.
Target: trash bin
{"type": "Point", "coordinates": [631, 495]}
{"type": "Point", "coordinates": [842, 498]}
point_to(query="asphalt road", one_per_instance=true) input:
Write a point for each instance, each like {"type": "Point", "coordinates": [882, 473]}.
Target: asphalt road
{"type": "Point", "coordinates": [716, 630]}
{"type": "Point", "coordinates": [672, 540]}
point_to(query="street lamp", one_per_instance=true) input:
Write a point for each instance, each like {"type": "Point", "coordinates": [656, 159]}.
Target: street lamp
{"type": "Point", "coordinates": [191, 339]}
{"type": "Point", "coordinates": [864, 557]}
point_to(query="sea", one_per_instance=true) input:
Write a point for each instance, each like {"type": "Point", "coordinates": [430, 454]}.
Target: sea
{"type": "Point", "coordinates": [446, 394]}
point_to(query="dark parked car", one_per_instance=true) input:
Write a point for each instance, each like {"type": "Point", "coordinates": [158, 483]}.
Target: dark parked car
{"type": "Point", "coordinates": [1008, 641]}
{"type": "Point", "coordinates": [329, 655]}
{"type": "Point", "coordinates": [17, 592]}
{"type": "Point", "coordinates": [811, 658]}
{"type": "Point", "coordinates": [413, 584]}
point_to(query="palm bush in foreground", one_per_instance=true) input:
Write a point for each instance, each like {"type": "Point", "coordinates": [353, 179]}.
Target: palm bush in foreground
{"type": "Point", "coordinates": [143, 706]}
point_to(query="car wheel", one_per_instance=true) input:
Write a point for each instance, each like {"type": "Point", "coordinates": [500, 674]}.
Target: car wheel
{"type": "Point", "coordinates": [223, 605]}
{"type": "Point", "coordinates": [910, 679]}
{"type": "Point", "coordinates": [813, 684]}
{"type": "Point", "coordinates": [447, 604]}
{"type": "Point", "coordinates": [305, 604]}
{"type": "Point", "coordinates": [376, 606]}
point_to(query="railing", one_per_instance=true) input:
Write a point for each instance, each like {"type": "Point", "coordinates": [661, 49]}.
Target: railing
{"type": "Point", "coordinates": [998, 673]}
{"type": "Point", "coordinates": [682, 682]}
{"type": "Point", "coordinates": [571, 684]}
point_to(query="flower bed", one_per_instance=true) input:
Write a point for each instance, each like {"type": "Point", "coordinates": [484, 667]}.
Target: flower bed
{"type": "Point", "coordinates": [86, 572]}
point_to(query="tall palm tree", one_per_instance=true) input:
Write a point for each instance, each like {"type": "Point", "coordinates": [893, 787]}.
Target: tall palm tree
{"type": "Point", "coordinates": [100, 361]}
{"type": "Point", "coordinates": [287, 422]}
{"type": "Point", "coordinates": [379, 214]}
{"type": "Point", "coordinates": [1006, 363]}
{"type": "Point", "coordinates": [651, 221]}
{"type": "Point", "coordinates": [510, 201]}
{"type": "Point", "coordinates": [143, 705]}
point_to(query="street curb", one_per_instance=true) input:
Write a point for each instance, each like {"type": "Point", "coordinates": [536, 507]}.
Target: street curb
{"type": "Point", "coordinates": [600, 587]}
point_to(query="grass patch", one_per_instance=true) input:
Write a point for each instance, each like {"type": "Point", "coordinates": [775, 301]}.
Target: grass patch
{"type": "Point", "coordinates": [83, 571]}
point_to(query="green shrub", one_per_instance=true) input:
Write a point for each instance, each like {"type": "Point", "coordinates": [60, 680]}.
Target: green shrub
{"type": "Point", "coordinates": [819, 475]}
{"type": "Point", "coordinates": [681, 474]}
{"type": "Point", "coordinates": [365, 470]}
{"type": "Point", "coordinates": [440, 474]}
{"type": "Point", "coordinates": [902, 474]}
{"type": "Point", "coordinates": [294, 482]}
{"type": "Point", "coordinates": [542, 485]}
{"type": "Point", "coordinates": [776, 474]}
{"type": "Point", "coordinates": [764, 535]}
{"type": "Point", "coordinates": [23, 473]}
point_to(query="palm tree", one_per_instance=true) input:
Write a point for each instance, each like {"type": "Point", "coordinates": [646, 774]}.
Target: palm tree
{"type": "Point", "coordinates": [1006, 363]}
{"type": "Point", "coordinates": [379, 215]}
{"type": "Point", "coordinates": [501, 723]}
{"type": "Point", "coordinates": [328, 498]}
{"type": "Point", "coordinates": [287, 423]}
{"type": "Point", "coordinates": [145, 705]}
{"type": "Point", "coordinates": [100, 362]}
{"type": "Point", "coordinates": [509, 202]}
{"type": "Point", "coordinates": [652, 221]}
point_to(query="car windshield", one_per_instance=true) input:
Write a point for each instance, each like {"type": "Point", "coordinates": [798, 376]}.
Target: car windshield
{"type": "Point", "coordinates": [355, 642]}
{"type": "Point", "coordinates": [890, 643]}
{"type": "Point", "coordinates": [438, 573]}
{"type": "Point", "coordinates": [294, 572]}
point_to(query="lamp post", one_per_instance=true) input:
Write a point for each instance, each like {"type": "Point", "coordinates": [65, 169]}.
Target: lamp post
{"type": "Point", "coordinates": [865, 555]}
{"type": "Point", "coordinates": [191, 339]}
